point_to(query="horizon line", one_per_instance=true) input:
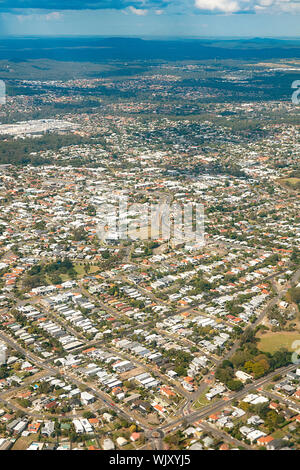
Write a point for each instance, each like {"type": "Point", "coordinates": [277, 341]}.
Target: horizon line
{"type": "Point", "coordinates": [144, 36]}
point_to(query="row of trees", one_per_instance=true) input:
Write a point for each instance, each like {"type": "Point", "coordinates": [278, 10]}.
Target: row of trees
{"type": "Point", "coordinates": [249, 359]}
{"type": "Point", "coordinates": [36, 276]}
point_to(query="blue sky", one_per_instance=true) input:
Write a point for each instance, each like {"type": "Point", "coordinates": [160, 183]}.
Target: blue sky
{"type": "Point", "coordinates": [171, 18]}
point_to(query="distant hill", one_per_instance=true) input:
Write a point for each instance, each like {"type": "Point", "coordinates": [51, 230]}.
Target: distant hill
{"type": "Point", "coordinates": [103, 49]}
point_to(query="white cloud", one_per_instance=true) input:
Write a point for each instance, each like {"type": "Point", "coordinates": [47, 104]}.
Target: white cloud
{"type": "Point", "coordinates": [235, 6]}
{"type": "Point", "coordinates": [225, 6]}
{"type": "Point", "coordinates": [138, 11]}
{"type": "Point", "coordinates": [55, 15]}
{"type": "Point", "coordinates": [52, 16]}
{"type": "Point", "coordinates": [290, 7]}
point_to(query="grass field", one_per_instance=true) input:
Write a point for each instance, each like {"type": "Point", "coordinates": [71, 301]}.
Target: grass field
{"type": "Point", "coordinates": [202, 400]}
{"type": "Point", "coordinates": [293, 183]}
{"type": "Point", "coordinates": [271, 342]}
{"type": "Point", "coordinates": [80, 270]}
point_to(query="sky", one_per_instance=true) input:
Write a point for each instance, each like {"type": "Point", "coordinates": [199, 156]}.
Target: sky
{"type": "Point", "coordinates": [158, 18]}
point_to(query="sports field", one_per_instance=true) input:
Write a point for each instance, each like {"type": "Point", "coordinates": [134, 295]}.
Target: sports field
{"type": "Point", "coordinates": [271, 342]}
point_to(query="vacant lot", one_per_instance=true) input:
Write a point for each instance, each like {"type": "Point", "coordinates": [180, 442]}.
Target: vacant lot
{"type": "Point", "coordinates": [24, 442]}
